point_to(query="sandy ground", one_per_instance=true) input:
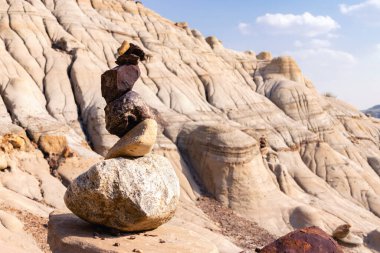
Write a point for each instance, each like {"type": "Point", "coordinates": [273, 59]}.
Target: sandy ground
{"type": "Point", "coordinates": [244, 233]}
{"type": "Point", "coordinates": [33, 225]}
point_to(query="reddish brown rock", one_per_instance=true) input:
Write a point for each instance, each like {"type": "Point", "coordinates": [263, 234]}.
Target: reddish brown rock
{"type": "Point", "coordinates": [131, 56]}
{"type": "Point", "coordinates": [118, 81]}
{"type": "Point", "coordinates": [306, 240]}
{"type": "Point", "coordinates": [126, 112]}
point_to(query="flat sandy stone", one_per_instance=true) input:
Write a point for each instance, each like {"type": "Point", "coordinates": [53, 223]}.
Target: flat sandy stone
{"type": "Point", "coordinates": [68, 233]}
{"type": "Point", "coordinates": [137, 142]}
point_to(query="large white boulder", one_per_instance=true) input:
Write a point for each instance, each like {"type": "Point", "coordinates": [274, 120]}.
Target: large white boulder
{"type": "Point", "coordinates": [129, 195]}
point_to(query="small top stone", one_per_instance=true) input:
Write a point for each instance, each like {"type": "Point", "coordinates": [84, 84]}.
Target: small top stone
{"type": "Point", "coordinates": [124, 47]}
{"type": "Point", "coordinates": [131, 55]}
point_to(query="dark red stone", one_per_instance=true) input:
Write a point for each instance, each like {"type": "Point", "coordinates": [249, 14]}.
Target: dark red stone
{"type": "Point", "coordinates": [126, 112]}
{"type": "Point", "coordinates": [306, 240]}
{"type": "Point", "coordinates": [118, 81]}
{"type": "Point", "coordinates": [131, 56]}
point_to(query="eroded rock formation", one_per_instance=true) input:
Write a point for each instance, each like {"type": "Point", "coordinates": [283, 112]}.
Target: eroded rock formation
{"type": "Point", "coordinates": [321, 165]}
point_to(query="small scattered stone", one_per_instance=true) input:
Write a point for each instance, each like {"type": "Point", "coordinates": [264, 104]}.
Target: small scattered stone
{"type": "Point", "coordinates": [162, 241]}
{"type": "Point", "coordinates": [150, 235]}
{"type": "Point", "coordinates": [341, 231]}
{"type": "Point", "coordinates": [116, 244]}
{"type": "Point", "coordinates": [96, 235]}
{"type": "Point", "coordinates": [132, 237]}
{"type": "Point", "coordinates": [45, 225]}
{"type": "Point", "coordinates": [137, 251]}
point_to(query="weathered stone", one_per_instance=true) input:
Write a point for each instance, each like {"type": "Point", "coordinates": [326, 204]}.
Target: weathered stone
{"type": "Point", "coordinates": [307, 240]}
{"type": "Point", "coordinates": [352, 240]}
{"type": "Point", "coordinates": [118, 81]}
{"type": "Point", "coordinates": [125, 113]}
{"type": "Point", "coordinates": [72, 167]}
{"type": "Point", "coordinates": [216, 152]}
{"type": "Point", "coordinates": [214, 42]}
{"type": "Point", "coordinates": [137, 142]}
{"type": "Point", "coordinates": [343, 234]}
{"type": "Point", "coordinates": [45, 90]}
{"type": "Point", "coordinates": [67, 233]}
{"type": "Point", "coordinates": [182, 25]}
{"type": "Point", "coordinates": [53, 144]}
{"type": "Point", "coordinates": [283, 67]}
{"type": "Point", "coordinates": [123, 48]}
{"type": "Point", "coordinates": [131, 56]}
{"type": "Point", "coordinates": [3, 161]}
{"type": "Point", "coordinates": [129, 195]}
{"type": "Point", "coordinates": [12, 141]}
{"type": "Point", "coordinates": [341, 231]}
{"type": "Point", "coordinates": [264, 56]}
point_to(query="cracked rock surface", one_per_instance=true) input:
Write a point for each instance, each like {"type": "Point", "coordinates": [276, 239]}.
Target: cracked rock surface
{"type": "Point", "coordinates": [128, 195]}
{"type": "Point", "coordinates": [322, 160]}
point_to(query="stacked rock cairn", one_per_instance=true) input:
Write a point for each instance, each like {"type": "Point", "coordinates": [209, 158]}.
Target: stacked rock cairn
{"type": "Point", "coordinates": [131, 190]}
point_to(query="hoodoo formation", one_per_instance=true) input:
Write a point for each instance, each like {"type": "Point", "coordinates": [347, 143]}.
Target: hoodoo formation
{"type": "Point", "coordinates": [250, 131]}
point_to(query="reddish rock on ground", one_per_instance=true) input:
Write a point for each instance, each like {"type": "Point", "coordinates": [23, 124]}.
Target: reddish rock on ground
{"type": "Point", "coordinates": [306, 240]}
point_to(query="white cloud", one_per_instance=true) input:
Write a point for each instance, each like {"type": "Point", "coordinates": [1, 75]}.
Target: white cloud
{"type": "Point", "coordinates": [355, 8]}
{"type": "Point", "coordinates": [314, 43]}
{"type": "Point", "coordinates": [317, 43]}
{"type": "Point", "coordinates": [298, 43]}
{"type": "Point", "coordinates": [367, 11]}
{"type": "Point", "coordinates": [325, 57]}
{"type": "Point", "coordinates": [377, 50]}
{"type": "Point", "coordinates": [244, 28]}
{"type": "Point", "coordinates": [305, 24]}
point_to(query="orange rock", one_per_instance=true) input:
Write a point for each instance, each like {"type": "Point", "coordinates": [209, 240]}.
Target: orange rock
{"type": "Point", "coordinates": [53, 144]}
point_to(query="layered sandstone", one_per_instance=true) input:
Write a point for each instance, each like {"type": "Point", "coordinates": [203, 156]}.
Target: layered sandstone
{"type": "Point", "coordinates": [320, 165]}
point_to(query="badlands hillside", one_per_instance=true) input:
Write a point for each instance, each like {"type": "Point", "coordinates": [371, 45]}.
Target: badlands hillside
{"type": "Point", "coordinates": [249, 130]}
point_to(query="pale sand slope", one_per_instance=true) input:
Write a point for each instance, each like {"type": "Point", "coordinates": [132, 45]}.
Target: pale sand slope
{"type": "Point", "coordinates": [321, 166]}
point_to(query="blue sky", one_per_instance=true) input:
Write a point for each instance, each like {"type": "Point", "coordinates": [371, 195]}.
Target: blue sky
{"type": "Point", "coordinates": [336, 43]}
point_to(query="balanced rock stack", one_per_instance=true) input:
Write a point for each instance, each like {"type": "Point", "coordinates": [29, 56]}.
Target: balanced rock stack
{"type": "Point", "coordinates": [132, 190]}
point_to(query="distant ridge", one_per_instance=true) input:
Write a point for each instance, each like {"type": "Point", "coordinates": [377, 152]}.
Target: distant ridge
{"type": "Point", "coordinates": [374, 111]}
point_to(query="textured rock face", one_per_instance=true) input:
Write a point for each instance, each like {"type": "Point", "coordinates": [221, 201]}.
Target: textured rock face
{"type": "Point", "coordinates": [125, 113]}
{"type": "Point", "coordinates": [223, 158]}
{"type": "Point", "coordinates": [264, 56]}
{"type": "Point", "coordinates": [137, 142]}
{"type": "Point", "coordinates": [129, 195]}
{"type": "Point", "coordinates": [68, 233]}
{"type": "Point", "coordinates": [53, 144]}
{"type": "Point", "coordinates": [13, 238]}
{"type": "Point", "coordinates": [308, 240]}
{"type": "Point", "coordinates": [283, 67]}
{"type": "Point", "coordinates": [322, 165]}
